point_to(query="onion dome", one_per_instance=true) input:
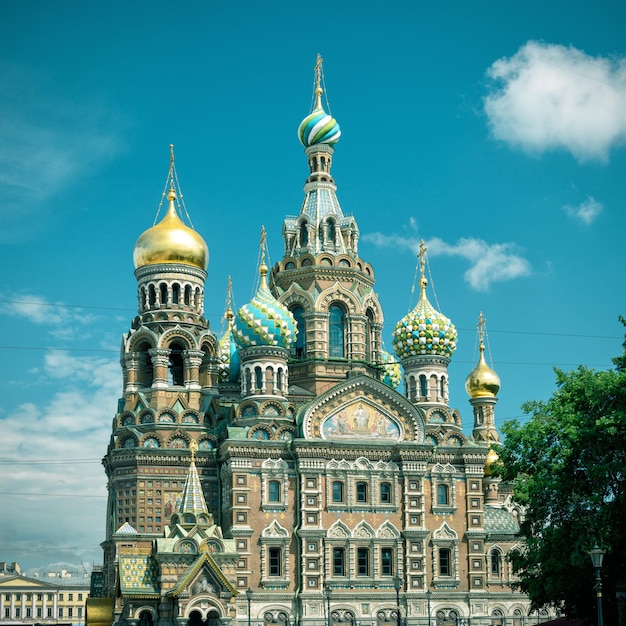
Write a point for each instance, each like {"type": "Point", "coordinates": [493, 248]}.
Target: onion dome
{"type": "Point", "coordinates": [319, 126]}
{"type": "Point", "coordinates": [492, 459]}
{"type": "Point", "coordinates": [230, 363]}
{"type": "Point", "coordinates": [264, 321]}
{"type": "Point", "coordinates": [392, 374]}
{"type": "Point", "coordinates": [482, 381]}
{"type": "Point", "coordinates": [424, 330]}
{"type": "Point", "coordinates": [171, 241]}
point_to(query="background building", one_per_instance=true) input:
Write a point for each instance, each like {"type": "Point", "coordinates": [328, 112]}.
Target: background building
{"type": "Point", "coordinates": [276, 475]}
{"type": "Point", "coordinates": [54, 599]}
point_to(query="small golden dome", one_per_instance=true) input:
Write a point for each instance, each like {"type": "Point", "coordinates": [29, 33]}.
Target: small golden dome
{"type": "Point", "coordinates": [492, 459]}
{"type": "Point", "coordinates": [171, 241]}
{"type": "Point", "coordinates": [482, 381]}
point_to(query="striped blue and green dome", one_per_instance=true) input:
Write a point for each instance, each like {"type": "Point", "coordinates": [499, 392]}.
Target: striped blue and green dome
{"type": "Point", "coordinates": [424, 331]}
{"type": "Point", "coordinates": [264, 321]}
{"type": "Point", "coordinates": [318, 127]}
{"type": "Point", "coordinates": [392, 374]}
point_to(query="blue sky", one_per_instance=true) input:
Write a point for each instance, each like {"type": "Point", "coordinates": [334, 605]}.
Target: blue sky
{"type": "Point", "coordinates": [496, 131]}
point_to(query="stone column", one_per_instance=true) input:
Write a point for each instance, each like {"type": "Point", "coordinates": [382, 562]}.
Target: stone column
{"type": "Point", "coordinates": [192, 360]}
{"type": "Point", "coordinates": [160, 362]}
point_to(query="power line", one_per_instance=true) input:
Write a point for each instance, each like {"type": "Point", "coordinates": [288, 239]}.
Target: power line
{"type": "Point", "coordinates": [49, 495]}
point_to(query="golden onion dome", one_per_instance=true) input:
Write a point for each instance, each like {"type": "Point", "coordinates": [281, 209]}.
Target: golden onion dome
{"type": "Point", "coordinates": [492, 459]}
{"type": "Point", "coordinates": [171, 241]}
{"type": "Point", "coordinates": [482, 381]}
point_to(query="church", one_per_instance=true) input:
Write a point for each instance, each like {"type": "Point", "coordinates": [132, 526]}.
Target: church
{"type": "Point", "coordinates": [290, 472]}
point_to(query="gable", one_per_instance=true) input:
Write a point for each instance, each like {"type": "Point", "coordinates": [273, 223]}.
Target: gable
{"type": "Point", "coordinates": [362, 408]}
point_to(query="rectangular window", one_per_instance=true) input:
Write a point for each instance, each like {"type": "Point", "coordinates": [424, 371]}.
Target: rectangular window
{"type": "Point", "coordinates": [444, 562]}
{"type": "Point", "coordinates": [361, 492]}
{"type": "Point", "coordinates": [49, 611]}
{"type": "Point", "coordinates": [274, 558]}
{"type": "Point", "coordinates": [39, 597]}
{"type": "Point", "coordinates": [60, 596]}
{"type": "Point", "coordinates": [70, 612]}
{"type": "Point", "coordinates": [39, 612]}
{"type": "Point", "coordinates": [7, 612]}
{"type": "Point", "coordinates": [385, 493]}
{"type": "Point", "coordinates": [337, 491]}
{"type": "Point", "coordinates": [79, 611]}
{"type": "Point", "coordinates": [339, 562]}
{"type": "Point", "coordinates": [442, 495]}
{"type": "Point", "coordinates": [363, 562]}
{"type": "Point", "coordinates": [60, 612]}
{"type": "Point", "coordinates": [274, 491]}
{"type": "Point", "coordinates": [70, 596]}
{"type": "Point", "coordinates": [28, 612]}
{"type": "Point", "coordinates": [386, 561]}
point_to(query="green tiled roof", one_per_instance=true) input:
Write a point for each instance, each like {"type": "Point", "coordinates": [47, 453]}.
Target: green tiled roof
{"type": "Point", "coordinates": [138, 575]}
{"type": "Point", "coordinates": [500, 521]}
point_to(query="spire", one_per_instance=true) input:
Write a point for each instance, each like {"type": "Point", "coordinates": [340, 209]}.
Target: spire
{"type": "Point", "coordinates": [262, 266]}
{"type": "Point", "coordinates": [482, 381]}
{"type": "Point", "coordinates": [192, 500]}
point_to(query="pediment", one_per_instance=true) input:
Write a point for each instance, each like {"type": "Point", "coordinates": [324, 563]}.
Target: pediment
{"type": "Point", "coordinates": [362, 408]}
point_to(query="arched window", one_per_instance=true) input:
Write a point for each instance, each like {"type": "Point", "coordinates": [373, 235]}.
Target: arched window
{"type": "Point", "coordinates": [151, 295]}
{"type": "Point", "coordinates": [369, 336]}
{"type": "Point", "coordinates": [187, 295]}
{"type": "Point", "coordinates": [176, 368]}
{"type": "Point", "coordinates": [385, 493]}
{"type": "Point", "coordinates": [258, 378]}
{"type": "Point", "coordinates": [279, 380]}
{"type": "Point", "coordinates": [336, 331]}
{"type": "Point", "coordinates": [495, 563]}
{"type": "Point", "coordinates": [331, 231]}
{"type": "Point", "coordinates": [163, 291]}
{"type": "Point", "coordinates": [304, 234]}
{"type": "Point", "coordinates": [337, 494]}
{"type": "Point", "coordinates": [443, 495]}
{"type": "Point", "coordinates": [175, 293]}
{"type": "Point", "coordinates": [273, 491]}
{"type": "Point", "coordinates": [299, 347]}
{"type": "Point", "coordinates": [423, 386]}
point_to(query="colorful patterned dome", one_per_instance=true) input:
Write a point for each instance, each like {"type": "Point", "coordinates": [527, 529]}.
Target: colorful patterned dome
{"type": "Point", "coordinates": [171, 241]}
{"type": "Point", "coordinates": [230, 363]}
{"type": "Point", "coordinates": [318, 127]}
{"type": "Point", "coordinates": [392, 374]}
{"type": "Point", "coordinates": [482, 381]}
{"type": "Point", "coordinates": [264, 321]}
{"type": "Point", "coordinates": [424, 331]}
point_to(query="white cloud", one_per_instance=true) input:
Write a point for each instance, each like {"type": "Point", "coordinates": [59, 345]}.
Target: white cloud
{"type": "Point", "coordinates": [54, 140]}
{"type": "Point", "coordinates": [489, 263]}
{"type": "Point", "coordinates": [50, 456]}
{"type": "Point", "coordinates": [548, 97]}
{"type": "Point", "coordinates": [586, 212]}
{"type": "Point", "coordinates": [62, 321]}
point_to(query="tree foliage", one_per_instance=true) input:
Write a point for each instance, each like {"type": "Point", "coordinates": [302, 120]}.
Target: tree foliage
{"type": "Point", "coordinates": [568, 467]}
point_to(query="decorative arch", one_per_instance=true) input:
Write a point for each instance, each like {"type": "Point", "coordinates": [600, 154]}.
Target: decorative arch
{"type": "Point", "coordinates": [178, 335]}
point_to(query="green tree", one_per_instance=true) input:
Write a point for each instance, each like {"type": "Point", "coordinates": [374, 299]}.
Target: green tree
{"type": "Point", "coordinates": [568, 467]}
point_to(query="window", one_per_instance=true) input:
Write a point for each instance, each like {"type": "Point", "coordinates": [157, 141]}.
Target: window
{"type": "Point", "coordinates": [444, 562]}
{"type": "Point", "coordinates": [339, 562]}
{"type": "Point", "coordinates": [70, 612]}
{"type": "Point", "coordinates": [39, 612]}
{"type": "Point", "coordinates": [28, 612]}
{"type": "Point", "coordinates": [80, 611]}
{"type": "Point", "coordinates": [443, 495]}
{"type": "Point", "coordinates": [495, 563]}
{"type": "Point", "coordinates": [385, 493]}
{"type": "Point", "coordinates": [274, 561]}
{"type": "Point", "coordinates": [70, 596]}
{"type": "Point", "coordinates": [386, 561]}
{"type": "Point", "coordinates": [274, 491]}
{"type": "Point", "coordinates": [300, 343]}
{"type": "Point", "coordinates": [336, 331]}
{"type": "Point", "coordinates": [337, 491]}
{"type": "Point", "coordinates": [363, 562]}
{"type": "Point", "coordinates": [60, 612]}
{"type": "Point", "coordinates": [60, 596]}
{"type": "Point", "coordinates": [361, 492]}
{"type": "Point", "coordinates": [49, 611]}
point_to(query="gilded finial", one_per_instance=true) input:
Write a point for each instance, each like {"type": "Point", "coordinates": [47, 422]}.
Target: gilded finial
{"type": "Point", "coordinates": [318, 81]}
{"type": "Point", "coordinates": [262, 266]}
{"type": "Point", "coordinates": [229, 295]}
{"type": "Point", "coordinates": [480, 327]}
{"type": "Point", "coordinates": [422, 258]}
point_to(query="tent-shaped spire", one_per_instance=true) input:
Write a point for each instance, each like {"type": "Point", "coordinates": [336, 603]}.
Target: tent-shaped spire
{"type": "Point", "coordinates": [193, 499]}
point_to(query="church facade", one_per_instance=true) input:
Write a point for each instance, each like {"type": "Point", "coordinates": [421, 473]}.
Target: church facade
{"type": "Point", "coordinates": [292, 471]}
